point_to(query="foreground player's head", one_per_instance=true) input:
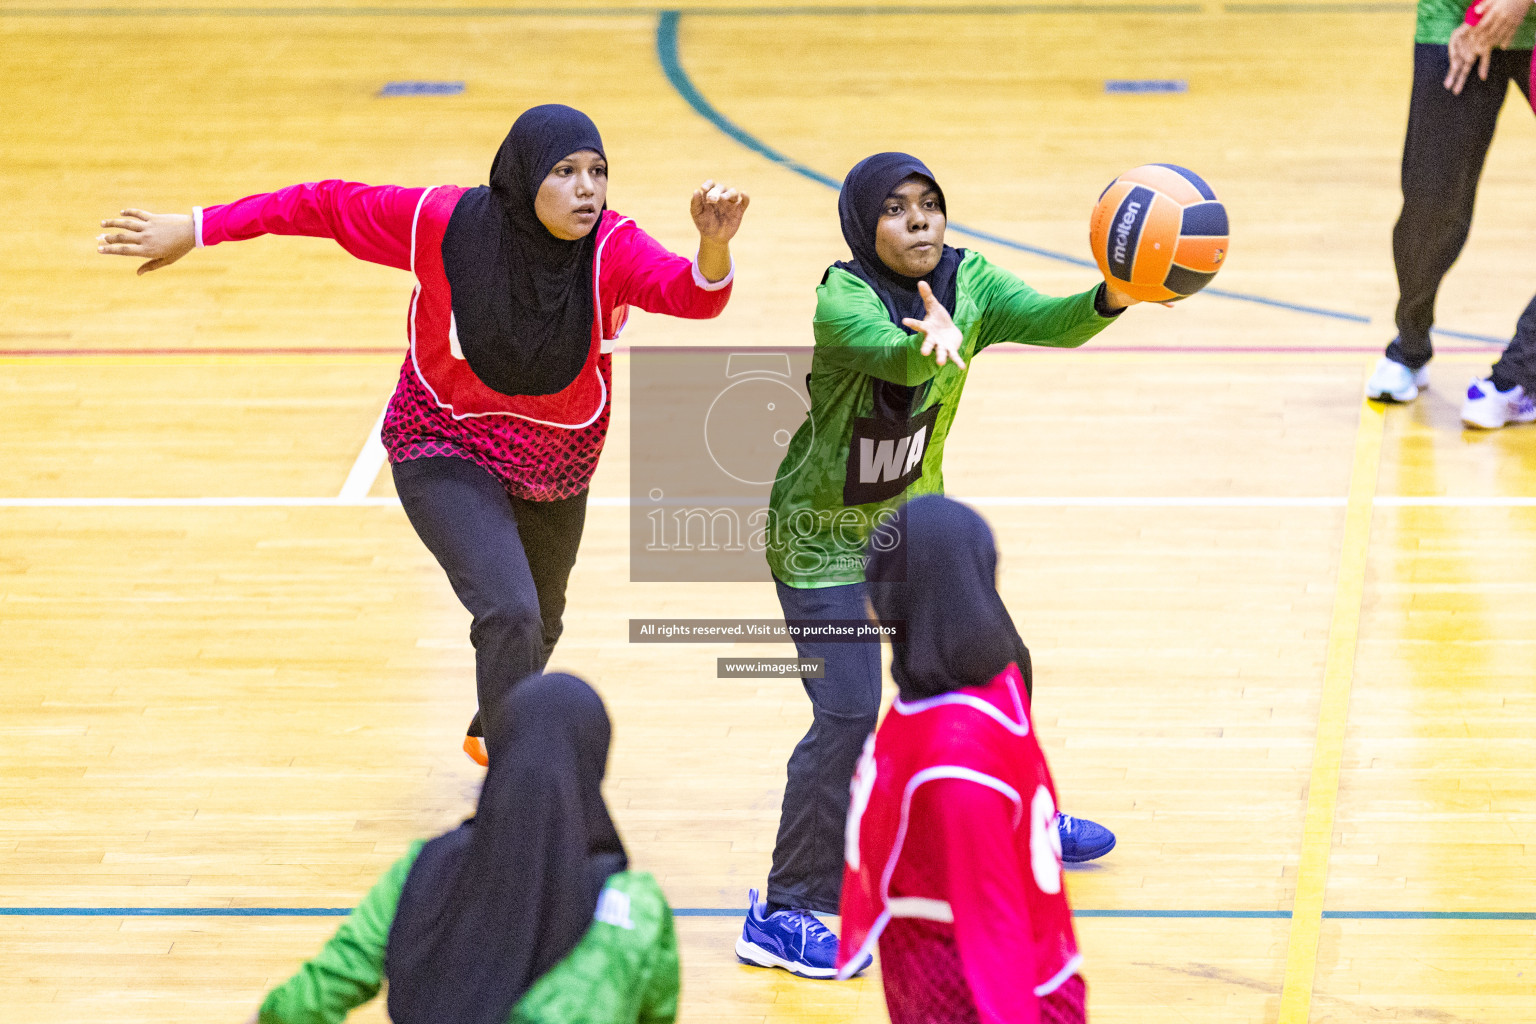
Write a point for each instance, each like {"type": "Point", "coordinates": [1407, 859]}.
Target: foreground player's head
{"type": "Point", "coordinates": [935, 575]}
{"type": "Point", "coordinates": [519, 255]}
{"type": "Point", "coordinates": [551, 165]}
{"type": "Point", "coordinates": [893, 215]}
{"type": "Point", "coordinates": [491, 906]}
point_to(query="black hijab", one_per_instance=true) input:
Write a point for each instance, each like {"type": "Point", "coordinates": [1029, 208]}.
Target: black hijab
{"type": "Point", "coordinates": [491, 906]}
{"type": "Point", "coordinates": [522, 298]}
{"type": "Point", "coordinates": [940, 579]}
{"type": "Point", "coordinates": [864, 192]}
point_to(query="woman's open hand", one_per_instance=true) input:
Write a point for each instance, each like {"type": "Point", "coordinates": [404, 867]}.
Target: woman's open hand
{"type": "Point", "coordinates": [159, 238]}
{"type": "Point", "coordinates": [940, 335]}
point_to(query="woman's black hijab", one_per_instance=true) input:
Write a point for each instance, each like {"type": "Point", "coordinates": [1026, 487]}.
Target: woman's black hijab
{"type": "Point", "coordinates": [939, 580]}
{"type": "Point", "coordinates": [864, 193]}
{"type": "Point", "coordinates": [522, 298]}
{"type": "Point", "coordinates": [491, 906]}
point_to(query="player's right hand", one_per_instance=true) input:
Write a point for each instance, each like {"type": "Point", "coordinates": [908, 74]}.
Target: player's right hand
{"type": "Point", "coordinates": [940, 335]}
{"type": "Point", "coordinates": [1464, 51]}
{"type": "Point", "coordinates": [159, 238]}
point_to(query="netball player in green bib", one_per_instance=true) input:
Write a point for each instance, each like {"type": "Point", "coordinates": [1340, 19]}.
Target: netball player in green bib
{"type": "Point", "coordinates": [896, 328]}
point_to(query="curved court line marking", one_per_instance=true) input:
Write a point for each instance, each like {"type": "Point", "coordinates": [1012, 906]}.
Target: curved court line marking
{"type": "Point", "coordinates": [668, 54]}
{"type": "Point", "coordinates": [1332, 718]}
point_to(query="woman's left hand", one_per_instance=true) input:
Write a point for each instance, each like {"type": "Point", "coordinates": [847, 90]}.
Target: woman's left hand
{"type": "Point", "coordinates": [717, 211]}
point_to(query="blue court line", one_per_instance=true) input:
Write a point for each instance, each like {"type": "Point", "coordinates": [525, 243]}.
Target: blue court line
{"type": "Point", "coordinates": [672, 66]}
{"type": "Point", "coordinates": [1181, 915]}
{"type": "Point", "coordinates": [1468, 336]}
{"type": "Point", "coordinates": [1282, 915]}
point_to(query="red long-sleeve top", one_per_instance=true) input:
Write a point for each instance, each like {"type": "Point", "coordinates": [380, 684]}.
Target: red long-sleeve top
{"type": "Point", "coordinates": [540, 449]}
{"type": "Point", "coordinates": [954, 864]}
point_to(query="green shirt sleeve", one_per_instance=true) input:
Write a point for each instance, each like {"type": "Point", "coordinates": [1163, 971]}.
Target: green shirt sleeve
{"type": "Point", "coordinates": [662, 974]}
{"type": "Point", "coordinates": [349, 969]}
{"type": "Point", "coordinates": [854, 332]}
{"type": "Point", "coordinates": [1013, 311]}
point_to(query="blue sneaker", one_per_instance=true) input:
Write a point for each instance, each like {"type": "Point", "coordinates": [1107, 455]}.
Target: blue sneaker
{"type": "Point", "coordinates": [1082, 840]}
{"type": "Point", "coordinates": [792, 939]}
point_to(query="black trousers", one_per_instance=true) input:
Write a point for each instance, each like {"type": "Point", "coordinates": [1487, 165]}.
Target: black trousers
{"type": "Point", "coordinates": [1447, 141]}
{"type": "Point", "coordinates": [808, 854]}
{"type": "Point", "coordinates": [508, 559]}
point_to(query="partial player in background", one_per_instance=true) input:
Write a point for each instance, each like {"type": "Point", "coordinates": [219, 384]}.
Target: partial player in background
{"type": "Point", "coordinates": [527, 912]}
{"type": "Point", "coordinates": [502, 408]}
{"type": "Point", "coordinates": [953, 862]}
{"type": "Point", "coordinates": [1508, 394]}
{"type": "Point", "coordinates": [1451, 120]}
{"type": "Point", "coordinates": [895, 327]}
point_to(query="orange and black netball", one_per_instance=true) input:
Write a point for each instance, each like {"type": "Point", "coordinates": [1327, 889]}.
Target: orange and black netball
{"type": "Point", "coordinates": [1159, 233]}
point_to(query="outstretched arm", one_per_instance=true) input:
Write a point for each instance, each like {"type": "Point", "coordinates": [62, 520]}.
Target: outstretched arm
{"type": "Point", "coordinates": [1013, 311]}
{"type": "Point", "coordinates": [372, 222]}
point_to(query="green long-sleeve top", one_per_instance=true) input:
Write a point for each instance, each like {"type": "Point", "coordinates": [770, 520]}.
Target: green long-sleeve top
{"type": "Point", "coordinates": [1437, 19]}
{"type": "Point", "coordinates": [623, 971]}
{"type": "Point", "coordinates": [852, 462]}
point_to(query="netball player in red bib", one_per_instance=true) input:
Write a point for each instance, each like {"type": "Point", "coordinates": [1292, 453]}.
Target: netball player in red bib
{"type": "Point", "coordinates": [953, 860]}
{"type": "Point", "coordinates": [522, 287]}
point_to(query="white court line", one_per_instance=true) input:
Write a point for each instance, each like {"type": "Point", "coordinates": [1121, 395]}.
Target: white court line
{"type": "Point", "coordinates": [365, 468]}
{"type": "Point", "coordinates": [1198, 501]}
{"type": "Point", "coordinates": [1195, 501]}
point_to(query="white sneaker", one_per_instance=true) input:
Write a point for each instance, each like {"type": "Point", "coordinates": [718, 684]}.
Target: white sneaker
{"type": "Point", "coordinates": [1489, 408]}
{"type": "Point", "coordinates": [1393, 382]}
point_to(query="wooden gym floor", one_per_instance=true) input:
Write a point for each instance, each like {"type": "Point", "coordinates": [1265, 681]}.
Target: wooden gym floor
{"type": "Point", "coordinates": [1285, 641]}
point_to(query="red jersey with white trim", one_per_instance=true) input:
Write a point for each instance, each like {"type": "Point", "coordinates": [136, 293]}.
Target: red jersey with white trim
{"type": "Point", "coordinates": [540, 447]}
{"type": "Point", "coordinates": [953, 861]}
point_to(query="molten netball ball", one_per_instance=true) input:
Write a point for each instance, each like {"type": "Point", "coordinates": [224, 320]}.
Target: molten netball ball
{"type": "Point", "coordinates": [1159, 233]}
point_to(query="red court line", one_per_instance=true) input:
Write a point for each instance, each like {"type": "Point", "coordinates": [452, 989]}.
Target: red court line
{"type": "Point", "coordinates": [1091, 348]}
{"type": "Point", "coordinates": [31, 353]}
{"type": "Point", "coordinates": [1254, 349]}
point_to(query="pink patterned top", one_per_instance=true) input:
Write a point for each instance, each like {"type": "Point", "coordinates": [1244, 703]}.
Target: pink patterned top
{"type": "Point", "coordinates": [531, 456]}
